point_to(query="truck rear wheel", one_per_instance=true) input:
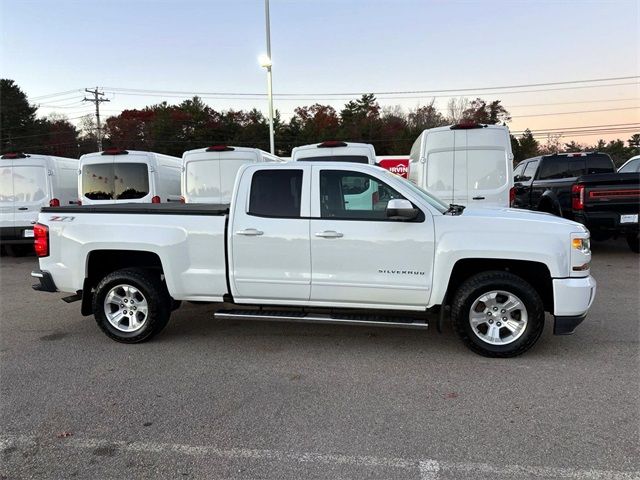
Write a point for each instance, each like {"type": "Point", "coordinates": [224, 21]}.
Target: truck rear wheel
{"type": "Point", "coordinates": [498, 314]}
{"type": "Point", "coordinates": [131, 305]}
{"type": "Point", "coordinates": [633, 240]}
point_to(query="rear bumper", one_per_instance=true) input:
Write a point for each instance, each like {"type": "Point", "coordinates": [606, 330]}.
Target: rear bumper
{"type": "Point", "coordinates": [572, 298]}
{"type": "Point", "coordinates": [46, 283]}
{"type": "Point", "coordinates": [606, 221]}
{"type": "Point", "coordinates": [15, 235]}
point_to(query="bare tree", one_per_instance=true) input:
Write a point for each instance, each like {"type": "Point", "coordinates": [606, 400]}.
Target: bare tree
{"type": "Point", "coordinates": [456, 108]}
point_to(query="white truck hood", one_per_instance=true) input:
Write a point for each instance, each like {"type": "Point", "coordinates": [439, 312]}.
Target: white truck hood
{"type": "Point", "coordinates": [536, 219]}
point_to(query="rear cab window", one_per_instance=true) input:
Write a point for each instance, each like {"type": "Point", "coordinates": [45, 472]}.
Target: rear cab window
{"type": "Point", "coordinates": [599, 164]}
{"type": "Point", "coordinates": [115, 181]}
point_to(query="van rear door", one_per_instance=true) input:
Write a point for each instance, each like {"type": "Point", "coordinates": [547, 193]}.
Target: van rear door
{"type": "Point", "coordinates": [489, 167]}
{"type": "Point", "coordinates": [230, 163]}
{"type": "Point", "coordinates": [7, 216]}
{"type": "Point", "coordinates": [439, 154]}
{"type": "Point", "coordinates": [31, 191]}
{"type": "Point", "coordinates": [109, 179]}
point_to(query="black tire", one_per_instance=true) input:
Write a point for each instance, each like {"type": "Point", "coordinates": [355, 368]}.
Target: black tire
{"type": "Point", "coordinates": [154, 292]}
{"type": "Point", "coordinates": [485, 282]}
{"type": "Point", "coordinates": [633, 240]}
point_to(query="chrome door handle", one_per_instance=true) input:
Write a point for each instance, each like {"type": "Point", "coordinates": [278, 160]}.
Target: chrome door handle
{"type": "Point", "coordinates": [249, 232]}
{"type": "Point", "coordinates": [329, 234]}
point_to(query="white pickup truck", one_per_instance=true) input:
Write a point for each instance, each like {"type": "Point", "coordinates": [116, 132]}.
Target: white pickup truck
{"type": "Point", "coordinates": [288, 248]}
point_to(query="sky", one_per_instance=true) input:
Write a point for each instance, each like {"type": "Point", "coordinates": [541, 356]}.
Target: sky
{"type": "Point", "coordinates": [328, 47]}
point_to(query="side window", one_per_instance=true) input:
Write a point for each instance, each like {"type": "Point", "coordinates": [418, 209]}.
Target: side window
{"type": "Point", "coordinates": [519, 169]}
{"type": "Point", "coordinates": [554, 168]}
{"type": "Point", "coordinates": [354, 196]}
{"type": "Point", "coordinates": [276, 193]}
{"type": "Point", "coordinates": [529, 171]}
{"type": "Point", "coordinates": [599, 164]}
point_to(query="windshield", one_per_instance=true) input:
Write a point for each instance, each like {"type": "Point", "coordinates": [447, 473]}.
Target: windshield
{"type": "Point", "coordinates": [435, 202]}
{"type": "Point", "coordinates": [337, 158]}
{"type": "Point", "coordinates": [631, 166]}
{"type": "Point", "coordinates": [119, 181]}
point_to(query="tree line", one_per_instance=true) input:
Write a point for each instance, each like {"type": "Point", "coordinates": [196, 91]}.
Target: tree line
{"type": "Point", "coordinates": [173, 129]}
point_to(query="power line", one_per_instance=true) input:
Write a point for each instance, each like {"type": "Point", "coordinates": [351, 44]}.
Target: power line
{"type": "Point", "coordinates": [579, 111]}
{"type": "Point", "coordinates": [577, 102]}
{"type": "Point", "coordinates": [50, 95]}
{"type": "Point", "coordinates": [474, 89]}
{"type": "Point", "coordinates": [283, 97]}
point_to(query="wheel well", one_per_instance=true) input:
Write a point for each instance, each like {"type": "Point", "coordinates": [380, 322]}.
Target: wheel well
{"type": "Point", "coordinates": [102, 262]}
{"type": "Point", "coordinates": [535, 273]}
{"type": "Point", "coordinates": [548, 205]}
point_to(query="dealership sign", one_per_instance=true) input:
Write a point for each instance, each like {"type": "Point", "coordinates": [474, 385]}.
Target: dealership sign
{"type": "Point", "coordinates": [397, 165]}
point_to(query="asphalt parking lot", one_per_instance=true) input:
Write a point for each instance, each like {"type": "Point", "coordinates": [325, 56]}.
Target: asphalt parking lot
{"type": "Point", "coordinates": [211, 399]}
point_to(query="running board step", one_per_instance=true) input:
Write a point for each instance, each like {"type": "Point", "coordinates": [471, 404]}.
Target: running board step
{"type": "Point", "coordinates": [335, 319]}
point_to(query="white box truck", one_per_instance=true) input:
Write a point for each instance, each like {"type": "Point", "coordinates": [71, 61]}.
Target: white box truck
{"type": "Point", "coordinates": [467, 164]}
{"type": "Point", "coordinates": [27, 183]}
{"type": "Point", "coordinates": [208, 174]}
{"type": "Point", "coordinates": [127, 176]}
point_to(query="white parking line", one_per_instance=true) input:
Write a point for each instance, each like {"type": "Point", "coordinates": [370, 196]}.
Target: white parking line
{"type": "Point", "coordinates": [426, 468]}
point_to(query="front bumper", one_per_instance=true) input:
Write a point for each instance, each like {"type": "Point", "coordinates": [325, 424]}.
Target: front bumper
{"type": "Point", "coordinates": [572, 298]}
{"type": "Point", "coordinates": [46, 281]}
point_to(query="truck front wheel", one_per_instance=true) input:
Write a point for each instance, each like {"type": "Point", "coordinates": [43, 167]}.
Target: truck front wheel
{"type": "Point", "coordinates": [498, 314]}
{"type": "Point", "coordinates": [131, 305]}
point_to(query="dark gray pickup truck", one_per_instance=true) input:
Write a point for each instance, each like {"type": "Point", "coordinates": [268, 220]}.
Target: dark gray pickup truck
{"type": "Point", "coordinates": [583, 187]}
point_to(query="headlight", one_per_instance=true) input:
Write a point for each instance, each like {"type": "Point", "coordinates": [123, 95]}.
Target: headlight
{"type": "Point", "coordinates": [582, 244]}
{"type": "Point", "coordinates": [580, 254]}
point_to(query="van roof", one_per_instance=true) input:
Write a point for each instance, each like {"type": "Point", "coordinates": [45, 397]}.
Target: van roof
{"type": "Point", "coordinates": [331, 144]}
{"type": "Point", "coordinates": [118, 152]}
{"type": "Point", "coordinates": [222, 148]}
{"type": "Point", "coordinates": [32, 156]}
{"type": "Point", "coordinates": [460, 126]}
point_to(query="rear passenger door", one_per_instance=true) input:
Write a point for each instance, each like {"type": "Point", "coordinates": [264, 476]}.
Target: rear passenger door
{"type": "Point", "coordinates": [270, 257]}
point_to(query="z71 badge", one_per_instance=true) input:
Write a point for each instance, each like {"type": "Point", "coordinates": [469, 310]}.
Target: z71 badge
{"type": "Point", "coordinates": [57, 218]}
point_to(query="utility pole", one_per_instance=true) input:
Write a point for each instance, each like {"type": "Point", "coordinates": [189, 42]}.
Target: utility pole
{"type": "Point", "coordinates": [97, 100]}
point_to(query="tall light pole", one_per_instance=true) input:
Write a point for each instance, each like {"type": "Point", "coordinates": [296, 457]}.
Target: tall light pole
{"type": "Point", "coordinates": [265, 61]}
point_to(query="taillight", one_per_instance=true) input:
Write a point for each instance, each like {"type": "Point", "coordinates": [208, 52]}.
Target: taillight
{"type": "Point", "coordinates": [79, 202]}
{"type": "Point", "coordinates": [155, 199]}
{"type": "Point", "coordinates": [182, 199]}
{"type": "Point", "coordinates": [512, 196]}
{"type": "Point", "coordinates": [54, 202]}
{"type": "Point", "coordinates": [577, 197]}
{"type": "Point", "coordinates": [41, 240]}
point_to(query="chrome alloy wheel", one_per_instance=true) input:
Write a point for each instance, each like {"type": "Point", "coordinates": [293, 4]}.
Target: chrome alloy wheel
{"type": "Point", "coordinates": [126, 308]}
{"type": "Point", "coordinates": [498, 317]}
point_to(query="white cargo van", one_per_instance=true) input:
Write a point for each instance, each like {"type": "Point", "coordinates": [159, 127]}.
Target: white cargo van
{"type": "Point", "coordinates": [121, 176]}
{"type": "Point", "coordinates": [208, 174]}
{"type": "Point", "coordinates": [467, 164]}
{"type": "Point", "coordinates": [27, 183]}
{"type": "Point", "coordinates": [359, 193]}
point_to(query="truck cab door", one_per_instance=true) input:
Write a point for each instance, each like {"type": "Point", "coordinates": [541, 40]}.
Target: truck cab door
{"type": "Point", "coordinates": [268, 232]}
{"type": "Point", "coordinates": [360, 257]}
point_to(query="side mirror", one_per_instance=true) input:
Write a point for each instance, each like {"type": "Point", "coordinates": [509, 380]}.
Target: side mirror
{"type": "Point", "coordinates": [401, 209]}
